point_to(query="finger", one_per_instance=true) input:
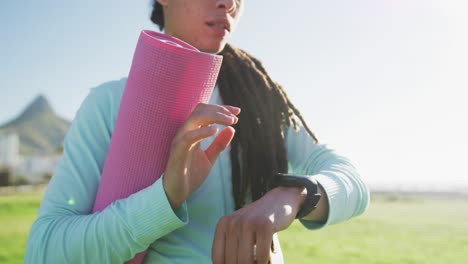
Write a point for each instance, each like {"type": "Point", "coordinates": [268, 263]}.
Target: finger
{"type": "Point", "coordinates": [232, 243]}
{"type": "Point", "coordinates": [246, 246]}
{"type": "Point", "coordinates": [263, 242]}
{"type": "Point", "coordinates": [204, 118]}
{"type": "Point", "coordinates": [192, 137]}
{"type": "Point", "coordinates": [222, 108]}
{"type": "Point", "coordinates": [217, 250]}
{"type": "Point", "coordinates": [234, 110]}
{"type": "Point", "coordinates": [219, 143]}
{"type": "Point", "coordinates": [226, 109]}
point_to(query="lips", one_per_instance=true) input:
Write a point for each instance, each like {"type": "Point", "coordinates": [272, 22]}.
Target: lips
{"type": "Point", "coordinates": [220, 24]}
{"type": "Point", "coordinates": [216, 25]}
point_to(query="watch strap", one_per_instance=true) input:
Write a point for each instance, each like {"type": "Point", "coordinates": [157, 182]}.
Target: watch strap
{"type": "Point", "coordinates": [311, 184]}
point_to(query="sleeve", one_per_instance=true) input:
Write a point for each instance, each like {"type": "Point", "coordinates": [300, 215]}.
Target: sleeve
{"type": "Point", "coordinates": [347, 194]}
{"type": "Point", "coordinates": [65, 231]}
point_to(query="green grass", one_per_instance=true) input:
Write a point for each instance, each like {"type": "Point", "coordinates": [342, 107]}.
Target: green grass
{"type": "Point", "coordinates": [392, 231]}
{"type": "Point", "coordinates": [17, 212]}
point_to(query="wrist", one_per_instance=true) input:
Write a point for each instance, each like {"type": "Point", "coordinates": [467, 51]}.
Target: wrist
{"type": "Point", "coordinates": [312, 198]}
{"type": "Point", "coordinates": [173, 200]}
{"type": "Point", "coordinates": [296, 195]}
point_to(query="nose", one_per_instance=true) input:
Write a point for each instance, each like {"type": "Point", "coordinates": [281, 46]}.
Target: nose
{"type": "Point", "coordinates": [229, 6]}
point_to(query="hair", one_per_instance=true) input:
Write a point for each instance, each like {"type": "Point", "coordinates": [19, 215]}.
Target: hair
{"type": "Point", "coordinates": [157, 15]}
{"type": "Point", "coordinates": [258, 149]}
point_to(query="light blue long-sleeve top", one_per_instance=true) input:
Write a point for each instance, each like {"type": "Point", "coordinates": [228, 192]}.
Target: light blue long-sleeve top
{"type": "Point", "coordinates": [66, 232]}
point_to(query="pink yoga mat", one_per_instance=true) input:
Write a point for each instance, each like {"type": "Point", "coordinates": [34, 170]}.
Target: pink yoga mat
{"type": "Point", "coordinates": [167, 79]}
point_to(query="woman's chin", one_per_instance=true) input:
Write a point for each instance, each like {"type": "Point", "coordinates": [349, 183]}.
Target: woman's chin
{"type": "Point", "coordinates": [213, 48]}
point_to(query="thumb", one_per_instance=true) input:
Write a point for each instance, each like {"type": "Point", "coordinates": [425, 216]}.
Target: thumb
{"type": "Point", "coordinates": [220, 143]}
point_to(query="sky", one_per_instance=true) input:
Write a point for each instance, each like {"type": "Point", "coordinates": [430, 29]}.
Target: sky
{"type": "Point", "coordinates": [381, 81]}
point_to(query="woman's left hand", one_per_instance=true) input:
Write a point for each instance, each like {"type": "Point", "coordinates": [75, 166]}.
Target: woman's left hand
{"type": "Point", "coordinates": [237, 233]}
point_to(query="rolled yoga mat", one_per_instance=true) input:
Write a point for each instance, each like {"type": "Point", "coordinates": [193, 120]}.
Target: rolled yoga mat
{"type": "Point", "coordinates": [167, 79]}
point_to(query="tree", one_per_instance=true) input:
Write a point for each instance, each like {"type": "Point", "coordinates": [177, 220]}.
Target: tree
{"type": "Point", "coordinates": [46, 177]}
{"type": "Point", "coordinates": [20, 180]}
{"type": "Point", "coordinates": [59, 149]}
{"type": "Point", "coordinates": [5, 175]}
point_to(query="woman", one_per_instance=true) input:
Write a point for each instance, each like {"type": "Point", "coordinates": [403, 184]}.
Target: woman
{"type": "Point", "coordinates": [214, 201]}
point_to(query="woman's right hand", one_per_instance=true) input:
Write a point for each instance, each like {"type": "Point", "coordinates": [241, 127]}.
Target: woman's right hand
{"type": "Point", "coordinates": [189, 165]}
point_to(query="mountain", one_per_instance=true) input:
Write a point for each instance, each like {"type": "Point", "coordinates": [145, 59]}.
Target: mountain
{"type": "Point", "coordinates": [41, 131]}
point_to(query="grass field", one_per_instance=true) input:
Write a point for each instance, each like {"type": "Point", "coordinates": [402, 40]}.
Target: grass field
{"type": "Point", "coordinates": [394, 230]}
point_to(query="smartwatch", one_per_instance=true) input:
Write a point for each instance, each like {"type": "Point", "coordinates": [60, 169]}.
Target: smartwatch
{"type": "Point", "coordinates": [295, 180]}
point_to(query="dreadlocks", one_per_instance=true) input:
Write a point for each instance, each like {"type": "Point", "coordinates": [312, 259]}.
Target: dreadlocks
{"type": "Point", "coordinates": [258, 150]}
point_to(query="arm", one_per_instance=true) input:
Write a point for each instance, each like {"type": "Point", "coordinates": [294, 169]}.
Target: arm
{"type": "Point", "coordinates": [344, 194]}
{"type": "Point", "coordinates": [65, 231]}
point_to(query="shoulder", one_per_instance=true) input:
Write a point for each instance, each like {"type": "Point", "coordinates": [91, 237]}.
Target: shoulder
{"type": "Point", "coordinates": [108, 93]}
{"type": "Point", "coordinates": [103, 101]}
